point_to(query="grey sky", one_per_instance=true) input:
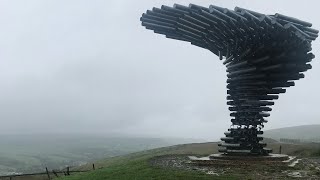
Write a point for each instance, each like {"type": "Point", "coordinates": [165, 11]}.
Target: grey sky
{"type": "Point", "coordinates": [89, 66]}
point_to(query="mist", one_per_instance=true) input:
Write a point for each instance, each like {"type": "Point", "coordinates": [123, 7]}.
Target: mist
{"type": "Point", "coordinates": [90, 67]}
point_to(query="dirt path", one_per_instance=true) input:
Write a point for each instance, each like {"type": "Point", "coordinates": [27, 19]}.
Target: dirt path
{"type": "Point", "coordinates": [307, 168]}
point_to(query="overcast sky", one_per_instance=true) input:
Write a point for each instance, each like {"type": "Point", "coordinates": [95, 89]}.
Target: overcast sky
{"type": "Point", "coordinates": [90, 67]}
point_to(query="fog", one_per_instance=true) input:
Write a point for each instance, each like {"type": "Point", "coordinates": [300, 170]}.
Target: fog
{"type": "Point", "coordinates": [90, 67]}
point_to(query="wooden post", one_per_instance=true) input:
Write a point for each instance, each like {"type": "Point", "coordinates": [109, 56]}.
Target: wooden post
{"type": "Point", "coordinates": [93, 167]}
{"type": "Point", "coordinates": [48, 173]}
{"type": "Point", "coordinates": [68, 171]}
{"type": "Point", "coordinates": [280, 149]}
{"type": "Point", "coordinates": [10, 177]}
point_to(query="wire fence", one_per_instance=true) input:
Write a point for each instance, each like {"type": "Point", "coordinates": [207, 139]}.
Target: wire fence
{"type": "Point", "coordinates": [47, 174]}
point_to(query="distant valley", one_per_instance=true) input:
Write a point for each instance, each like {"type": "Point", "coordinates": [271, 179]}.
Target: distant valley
{"type": "Point", "coordinates": [32, 153]}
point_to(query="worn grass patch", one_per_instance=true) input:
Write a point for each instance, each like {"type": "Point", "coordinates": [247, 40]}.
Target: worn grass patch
{"type": "Point", "coordinates": [140, 170]}
{"type": "Point", "coordinates": [137, 166]}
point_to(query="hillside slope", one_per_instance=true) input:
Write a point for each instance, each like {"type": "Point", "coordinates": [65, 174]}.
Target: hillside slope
{"type": "Point", "coordinates": [137, 165]}
{"type": "Point", "coordinates": [29, 153]}
{"type": "Point", "coordinates": [305, 132]}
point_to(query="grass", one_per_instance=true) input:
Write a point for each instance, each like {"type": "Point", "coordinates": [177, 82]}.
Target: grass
{"type": "Point", "coordinates": [140, 170]}
{"type": "Point", "coordinates": [136, 166]}
{"type": "Point", "coordinates": [316, 152]}
{"type": "Point", "coordinates": [32, 153]}
{"type": "Point", "coordinates": [192, 149]}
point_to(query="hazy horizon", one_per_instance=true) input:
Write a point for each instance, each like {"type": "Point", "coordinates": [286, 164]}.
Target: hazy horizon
{"type": "Point", "coordinates": [90, 67]}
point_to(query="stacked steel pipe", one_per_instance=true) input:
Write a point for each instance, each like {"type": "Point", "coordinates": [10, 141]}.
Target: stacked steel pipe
{"type": "Point", "coordinates": [263, 55]}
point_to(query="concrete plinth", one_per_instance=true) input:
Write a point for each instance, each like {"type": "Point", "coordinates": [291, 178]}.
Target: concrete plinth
{"type": "Point", "coordinates": [230, 160]}
{"type": "Point", "coordinates": [270, 157]}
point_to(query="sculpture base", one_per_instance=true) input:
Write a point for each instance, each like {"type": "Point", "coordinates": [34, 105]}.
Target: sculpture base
{"type": "Point", "coordinates": [234, 160]}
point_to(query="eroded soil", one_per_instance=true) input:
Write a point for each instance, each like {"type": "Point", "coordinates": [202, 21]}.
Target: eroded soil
{"type": "Point", "coordinates": [307, 168]}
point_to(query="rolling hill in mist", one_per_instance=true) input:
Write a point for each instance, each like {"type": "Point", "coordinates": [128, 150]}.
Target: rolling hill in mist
{"type": "Point", "coordinates": [305, 132]}
{"type": "Point", "coordinates": [32, 153]}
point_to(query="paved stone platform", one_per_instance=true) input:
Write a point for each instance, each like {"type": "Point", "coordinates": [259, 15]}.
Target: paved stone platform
{"type": "Point", "coordinates": [222, 159]}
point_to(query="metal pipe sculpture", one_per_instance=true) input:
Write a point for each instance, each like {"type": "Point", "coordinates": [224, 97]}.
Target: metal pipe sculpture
{"type": "Point", "coordinates": [263, 55]}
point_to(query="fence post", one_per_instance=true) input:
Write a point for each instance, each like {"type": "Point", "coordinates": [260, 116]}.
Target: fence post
{"type": "Point", "coordinates": [93, 167]}
{"type": "Point", "coordinates": [280, 149]}
{"type": "Point", "coordinates": [48, 173]}
{"type": "Point", "coordinates": [68, 171]}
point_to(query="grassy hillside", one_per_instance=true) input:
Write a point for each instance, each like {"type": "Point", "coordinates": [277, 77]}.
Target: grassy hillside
{"type": "Point", "coordinates": [306, 132]}
{"type": "Point", "coordinates": [32, 153]}
{"type": "Point", "coordinates": [137, 166]}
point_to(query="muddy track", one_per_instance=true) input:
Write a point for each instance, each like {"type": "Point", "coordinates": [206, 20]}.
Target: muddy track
{"type": "Point", "coordinates": [307, 168]}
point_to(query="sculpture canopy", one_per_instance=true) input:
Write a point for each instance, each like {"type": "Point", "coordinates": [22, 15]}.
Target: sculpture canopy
{"type": "Point", "coordinates": [263, 55]}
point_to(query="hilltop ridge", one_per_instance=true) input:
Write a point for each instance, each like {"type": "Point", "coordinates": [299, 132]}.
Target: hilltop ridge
{"type": "Point", "coordinates": [303, 132]}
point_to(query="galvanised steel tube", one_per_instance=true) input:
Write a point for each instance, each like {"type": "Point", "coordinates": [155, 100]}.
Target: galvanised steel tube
{"type": "Point", "coordinates": [263, 54]}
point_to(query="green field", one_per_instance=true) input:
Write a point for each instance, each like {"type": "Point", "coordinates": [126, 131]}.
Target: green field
{"type": "Point", "coordinates": [116, 157]}
{"type": "Point", "coordinates": [32, 153]}
{"type": "Point", "coordinates": [137, 166]}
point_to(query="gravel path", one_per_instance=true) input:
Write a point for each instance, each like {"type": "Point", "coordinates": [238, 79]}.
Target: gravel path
{"type": "Point", "coordinates": [307, 168]}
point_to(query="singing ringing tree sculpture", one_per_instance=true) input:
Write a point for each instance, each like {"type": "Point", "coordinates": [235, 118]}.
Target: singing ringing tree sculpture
{"type": "Point", "coordinates": [263, 54]}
